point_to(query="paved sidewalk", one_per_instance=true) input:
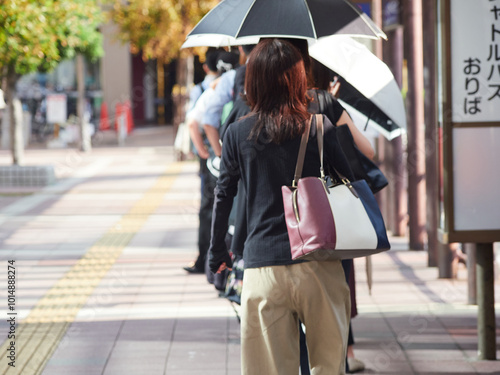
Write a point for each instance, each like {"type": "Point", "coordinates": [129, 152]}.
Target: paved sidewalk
{"type": "Point", "coordinates": [100, 287]}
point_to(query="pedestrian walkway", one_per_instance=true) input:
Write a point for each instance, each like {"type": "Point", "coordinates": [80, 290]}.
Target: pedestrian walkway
{"type": "Point", "coordinates": [100, 289]}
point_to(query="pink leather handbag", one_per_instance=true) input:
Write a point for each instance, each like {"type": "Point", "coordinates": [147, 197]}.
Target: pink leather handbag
{"type": "Point", "coordinates": [331, 222]}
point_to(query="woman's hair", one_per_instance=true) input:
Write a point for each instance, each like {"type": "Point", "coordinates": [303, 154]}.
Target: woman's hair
{"type": "Point", "coordinates": [303, 47]}
{"type": "Point", "coordinates": [276, 86]}
{"type": "Point", "coordinates": [322, 76]}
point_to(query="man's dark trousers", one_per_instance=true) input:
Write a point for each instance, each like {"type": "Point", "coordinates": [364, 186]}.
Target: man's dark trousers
{"type": "Point", "coordinates": [208, 181]}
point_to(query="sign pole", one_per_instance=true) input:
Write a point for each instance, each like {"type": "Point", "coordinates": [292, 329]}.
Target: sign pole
{"type": "Point", "coordinates": [470, 250]}
{"type": "Point", "coordinates": [486, 326]}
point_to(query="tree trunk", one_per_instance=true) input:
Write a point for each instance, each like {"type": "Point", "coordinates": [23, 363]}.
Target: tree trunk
{"type": "Point", "coordinates": [15, 110]}
{"type": "Point", "coordinates": [394, 58]}
{"type": "Point", "coordinates": [85, 143]}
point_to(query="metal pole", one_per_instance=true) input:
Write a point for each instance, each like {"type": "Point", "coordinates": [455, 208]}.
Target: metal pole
{"type": "Point", "coordinates": [398, 170]}
{"type": "Point", "coordinates": [377, 18]}
{"type": "Point", "coordinates": [444, 259]}
{"type": "Point", "coordinates": [381, 157]}
{"type": "Point", "coordinates": [470, 250]}
{"type": "Point", "coordinates": [431, 139]}
{"type": "Point", "coordinates": [416, 141]}
{"type": "Point", "coordinates": [486, 325]}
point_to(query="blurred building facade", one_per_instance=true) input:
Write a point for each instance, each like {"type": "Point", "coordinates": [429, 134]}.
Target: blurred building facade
{"type": "Point", "coordinates": [117, 77]}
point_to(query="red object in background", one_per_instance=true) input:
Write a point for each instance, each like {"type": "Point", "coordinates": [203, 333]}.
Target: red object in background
{"type": "Point", "coordinates": [124, 109]}
{"type": "Point", "coordinates": [130, 119]}
{"type": "Point", "coordinates": [104, 118]}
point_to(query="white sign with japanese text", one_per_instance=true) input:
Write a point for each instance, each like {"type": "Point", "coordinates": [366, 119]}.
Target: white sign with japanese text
{"type": "Point", "coordinates": [475, 60]}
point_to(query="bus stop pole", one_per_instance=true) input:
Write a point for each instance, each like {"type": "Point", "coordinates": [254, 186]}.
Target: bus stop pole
{"type": "Point", "coordinates": [486, 326]}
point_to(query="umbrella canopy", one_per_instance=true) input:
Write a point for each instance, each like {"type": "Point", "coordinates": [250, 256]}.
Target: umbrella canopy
{"type": "Point", "coordinates": [380, 123]}
{"type": "Point", "coordinates": [217, 40]}
{"type": "Point", "coordinates": [367, 84]}
{"type": "Point", "coordinates": [307, 19]}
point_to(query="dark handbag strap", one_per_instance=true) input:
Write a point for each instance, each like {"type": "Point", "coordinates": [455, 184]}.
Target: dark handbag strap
{"type": "Point", "coordinates": [303, 147]}
{"type": "Point", "coordinates": [319, 135]}
{"type": "Point", "coordinates": [302, 153]}
{"type": "Point", "coordinates": [319, 127]}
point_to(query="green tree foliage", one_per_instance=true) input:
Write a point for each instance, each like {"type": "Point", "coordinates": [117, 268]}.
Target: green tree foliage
{"type": "Point", "coordinates": [157, 27]}
{"type": "Point", "coordinates": [37, 35]}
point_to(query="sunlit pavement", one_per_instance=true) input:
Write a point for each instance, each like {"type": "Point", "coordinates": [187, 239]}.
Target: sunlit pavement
{"type": "Point", "coordinates": [100, 289]}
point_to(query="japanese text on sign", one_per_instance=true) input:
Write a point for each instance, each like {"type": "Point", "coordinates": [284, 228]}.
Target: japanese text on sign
{"type": "Point", "coordinates": [475, 36]}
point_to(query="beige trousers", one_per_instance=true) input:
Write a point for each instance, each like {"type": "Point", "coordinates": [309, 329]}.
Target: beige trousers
{"type": "Point", "coordinates": [275, 298]}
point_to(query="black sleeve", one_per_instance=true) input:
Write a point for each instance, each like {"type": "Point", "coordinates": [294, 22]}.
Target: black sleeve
{"type": "Point", "coordinates": [332, 108]}
{"type": "Point", "coordinates": [240, 225]}
{"type": "Point", "coordinates": [325, 103]}
{"type": "Point", "coordinates": [240, 109]}
{"type": "Point", "coordinates": [225, 191]}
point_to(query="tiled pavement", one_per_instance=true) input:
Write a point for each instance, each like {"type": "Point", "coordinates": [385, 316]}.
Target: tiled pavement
{"type": "Point", "coordinates": [100, 287]}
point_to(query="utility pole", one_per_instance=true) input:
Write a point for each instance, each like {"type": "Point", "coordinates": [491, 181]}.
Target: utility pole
{"type": "Point", "coordinates": [431, 130]}
{"type": "Point", "coordinates": [416, 141]}
{"type": "Point", "coordinates": [399, 208]}
{"type": "Point", "coordinates": [377, 18]}
{"type": "Point", "coordinates": [381, 154]}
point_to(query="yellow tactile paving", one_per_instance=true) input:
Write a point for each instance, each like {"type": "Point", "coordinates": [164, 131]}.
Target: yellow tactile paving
{"type": "Point", "coordinates": [39, 334]}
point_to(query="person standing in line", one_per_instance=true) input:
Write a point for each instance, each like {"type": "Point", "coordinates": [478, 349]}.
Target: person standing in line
{"type": "Point", "coordinates": [227, 89]}
{"type": "Point", "coordinates": [210, 69]}
{"type": "Point", "coordinates": [319, 78]}
{"type": "Point", "coordinates": [217, 62]}
{"type": "Point", "coordinates": [323, 81]}
{"type": "Point", "coordinates": [261, 149]}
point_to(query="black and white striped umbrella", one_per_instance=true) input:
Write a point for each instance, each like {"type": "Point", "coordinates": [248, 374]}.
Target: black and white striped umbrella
{"type": "Point", "coordinates": [305, 19]}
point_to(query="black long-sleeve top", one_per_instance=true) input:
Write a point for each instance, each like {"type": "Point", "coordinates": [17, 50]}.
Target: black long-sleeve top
{"type": "Point", "coordinates": [264, 168]}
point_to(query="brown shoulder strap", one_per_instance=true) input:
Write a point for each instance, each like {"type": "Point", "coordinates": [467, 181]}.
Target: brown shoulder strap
{"type": "Point", "coordinates": [302, 153]}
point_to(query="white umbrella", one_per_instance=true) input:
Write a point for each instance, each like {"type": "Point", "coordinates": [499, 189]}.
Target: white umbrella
{"type": "Point", "coordinates": [368, 75]}
{"type": "Point", "coordinates": [217, 40]}
{"type": "Point", "coordinates": [369, 125]}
